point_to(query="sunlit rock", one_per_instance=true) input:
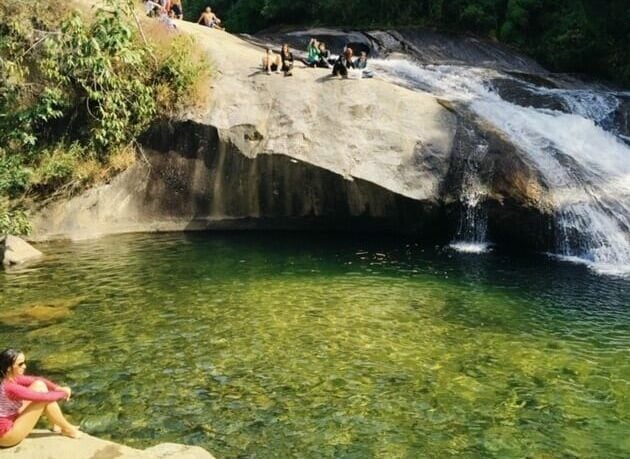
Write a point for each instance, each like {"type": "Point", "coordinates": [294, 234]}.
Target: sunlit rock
{"type": "Point", "coordinates": [15, 251]}
{"type": "Point", "coordinates": [43, 444]}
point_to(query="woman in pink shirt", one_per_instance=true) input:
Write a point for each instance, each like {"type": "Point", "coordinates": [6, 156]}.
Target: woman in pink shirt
{"type": "Point", "coordinates": [23, 400]}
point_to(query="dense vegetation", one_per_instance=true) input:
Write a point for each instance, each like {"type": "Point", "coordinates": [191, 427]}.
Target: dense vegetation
{"type": "Point", "coordinates": [590, 36]}
{"type": "Point", "coordinates": [74, 94]}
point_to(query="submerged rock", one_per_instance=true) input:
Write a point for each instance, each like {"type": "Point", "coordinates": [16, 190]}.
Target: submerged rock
{"type": "Point", "coordinates": [39, 314]}
{"type": "Point", "coordinates": [15, 251]}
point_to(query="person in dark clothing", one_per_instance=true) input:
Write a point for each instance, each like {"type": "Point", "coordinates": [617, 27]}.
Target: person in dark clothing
{"type": "Point", "coordinates": [287, 60]}
{"type": "Point", "coordinates": [343, 64]}
{"type": "Point", "coordinates": [324, 55]}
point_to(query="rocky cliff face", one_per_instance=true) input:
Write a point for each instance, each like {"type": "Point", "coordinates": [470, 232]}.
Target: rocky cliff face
{"type": "Point", "coordinates": [305, 152]}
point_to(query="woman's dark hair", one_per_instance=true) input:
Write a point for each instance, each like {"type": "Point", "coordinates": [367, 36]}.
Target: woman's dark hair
{"type": "Point", "coordinates": [7, 359]}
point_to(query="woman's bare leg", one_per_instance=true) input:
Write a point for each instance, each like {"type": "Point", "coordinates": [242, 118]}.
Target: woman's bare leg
{"type": "Point", "coordinates": [30, 414]}
{"type": "Point", "coordinates": [54, 414]}
{"type": "Point", "coordinates": [52, 411]}
{"type": "Point", "coordinates": [23, 425]}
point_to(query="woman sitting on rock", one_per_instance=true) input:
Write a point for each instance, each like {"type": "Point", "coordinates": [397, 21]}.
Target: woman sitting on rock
{"type": "Point", "coordinates": [270, 61]}
{"type": "Point", "coordinates": [324, 55]}
{"type": "Point", "coordinates": [343, 64]}
{"type": "Point", "coordinates": [176, 8]}
{"type": "Point", "coordinates": [361, 64]}
{"type": "Point", "coordinates": [287, 60]}
{"type": "Point", "coordinates": [23, 400]}
{"type": "Point", "coordinates": [312, 58]}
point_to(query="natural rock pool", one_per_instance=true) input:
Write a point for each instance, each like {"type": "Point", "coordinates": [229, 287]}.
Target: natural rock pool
{"type": "Point", "coordinates": [307, 345]}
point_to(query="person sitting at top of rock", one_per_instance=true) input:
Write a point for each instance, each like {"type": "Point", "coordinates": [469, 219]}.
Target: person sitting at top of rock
{"type": "Point", "coordinates": [361, 64]}
{"type": "Point", "coordinates": [287, 60]}
{"type": "Point", "coordinates": [209, 19]}
{"type": "Point", "coordinates": [270, 61]}
{"type": "Point", "coordinates": [324, 56]}
{"type": "Point", "coordinates": [361, 61]}
{"type": "Point", "coordinates": [168, 19]}
{"type": "Point", "coordinates": [176, 8]}
{"type": "Point", "coordinates": [344, 62]}
{"type": "Point", "coordinates": [166, 6]}
{"type": "Point", "coordinates": [152, 8]}
{"type": "Point", "coordinates": [23, 400]}
{"type": "Point", "coordinates": [312, 50]}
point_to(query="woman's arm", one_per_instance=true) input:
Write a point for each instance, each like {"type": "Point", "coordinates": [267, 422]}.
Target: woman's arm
{"type": "Point", "coordinates": [25, 380]}
{"type": "Point", "coordinates": [16, 391]}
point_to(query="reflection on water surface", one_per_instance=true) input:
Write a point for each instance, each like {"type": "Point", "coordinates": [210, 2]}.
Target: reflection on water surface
{"type": "Point", "coordinates": [281, 345]}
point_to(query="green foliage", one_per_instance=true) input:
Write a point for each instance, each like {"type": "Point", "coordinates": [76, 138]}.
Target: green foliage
{"type": "Point", "coordinates": [177, 75]}
{"type": "Point", "coordinates": [74, 93]}
{"type": "Point", "coordinates": [477, 17]}
{"type": "Point", "coordinates": [57, 166]}
{"type": "Point", "coordinates": [13, 220]}
{"type": "Point", "coordinates": [14, 176]}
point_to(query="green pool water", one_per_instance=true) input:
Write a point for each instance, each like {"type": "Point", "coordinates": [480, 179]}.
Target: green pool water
{"type": "Point", "coordinates": [319, 346]}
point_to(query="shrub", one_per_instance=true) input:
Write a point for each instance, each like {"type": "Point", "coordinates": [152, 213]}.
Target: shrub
{"type": "Point", "coordinates": [74, 95]}
{"type": "Point", "coordinates": [14, 176]}
{"type": "Point", "coordinates": [13, 220]}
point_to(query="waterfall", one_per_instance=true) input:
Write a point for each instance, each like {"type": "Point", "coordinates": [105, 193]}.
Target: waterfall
{"type": "Point", "coordinates": [584, 162]}
{"type": "Point", "coordinates": [471, 234]}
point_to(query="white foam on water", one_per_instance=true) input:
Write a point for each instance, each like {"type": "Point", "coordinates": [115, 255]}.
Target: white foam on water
{"type": "Point", "coordinates": [471, 247]}
{"type": "Point", "coordinates": [622, 271]}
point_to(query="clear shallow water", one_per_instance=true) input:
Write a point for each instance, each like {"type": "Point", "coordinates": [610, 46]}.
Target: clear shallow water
{"type": "Point", "coordinates": [280, 345]}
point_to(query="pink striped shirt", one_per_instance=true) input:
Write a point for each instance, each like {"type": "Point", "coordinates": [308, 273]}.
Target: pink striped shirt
{"type": "Point", "coordinates": [13, 393]}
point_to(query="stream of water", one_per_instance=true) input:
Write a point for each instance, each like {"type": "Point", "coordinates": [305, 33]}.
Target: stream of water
{"type": "Point", "coordinates": [321, 346]}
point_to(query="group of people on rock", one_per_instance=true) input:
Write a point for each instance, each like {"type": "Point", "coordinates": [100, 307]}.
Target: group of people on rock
{"type": "Point", "coordinates": [347, 61]}
{"type": "Point", "coordinates": [167, 10]}
{"type": "Point", "coordinates": [317, 55]}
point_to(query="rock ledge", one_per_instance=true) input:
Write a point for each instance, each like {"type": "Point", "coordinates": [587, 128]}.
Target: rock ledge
{"type": "Point", "coordinates": [43, 444]}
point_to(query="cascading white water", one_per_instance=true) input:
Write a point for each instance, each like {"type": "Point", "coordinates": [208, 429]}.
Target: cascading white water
{"type": "Point", "coordinates": [596, 106]}
{"type": "Point", "coordinates": [586, 166]}
{"type": "Point", "coordinates": [472, 231]}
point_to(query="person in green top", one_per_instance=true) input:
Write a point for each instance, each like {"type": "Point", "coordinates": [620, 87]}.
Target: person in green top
{"type": "Point", "coordinates": [312, 50]}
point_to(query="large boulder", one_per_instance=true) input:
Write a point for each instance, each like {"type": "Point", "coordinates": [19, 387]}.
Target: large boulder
{"type": "Point", "coordinates": [15, 251]}
{"type": "Point", "coordinates": [276, 152]}
{"type": "Point", "coordinates": [308, 152]}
